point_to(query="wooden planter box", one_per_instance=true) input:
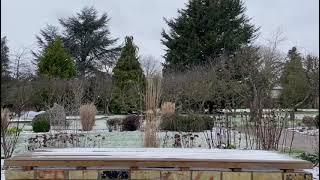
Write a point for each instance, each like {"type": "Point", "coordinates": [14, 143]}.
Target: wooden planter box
{"type": "Point", "coordinates": [151, 163]}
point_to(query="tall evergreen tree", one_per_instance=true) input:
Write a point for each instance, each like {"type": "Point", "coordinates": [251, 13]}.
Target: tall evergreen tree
{"type": "Point", "coordinates": [87, 37]}
{"type": "Point", "coordinates": [47, 36]}
{"type": "Point", "coordinates": [5, 73]}
{"type": "Point", "coordinates": [294, 81]}
{"type": "Point", "coordinates": [312, 68]}
{"type": "Point", "coordinates": [56, 62]}
{"type": "Point", "coordinates": [205, 30]}
{"type": "Point", "coordinates": [4, 57]}
{"type": "Point", "coordinates": [129, 80]}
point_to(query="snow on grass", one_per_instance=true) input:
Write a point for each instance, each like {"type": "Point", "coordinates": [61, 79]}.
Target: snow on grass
{"type": "Point", "coordinates": [315, 172]}
{"type": "Point", "coordinates": [2, 170]}
{"type": "Point", "coordinates": [305, 131]}
{"type": "Point", "coordinates": [102, 138]}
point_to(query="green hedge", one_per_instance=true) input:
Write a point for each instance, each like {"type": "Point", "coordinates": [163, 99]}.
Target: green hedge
{"type": "Point", "coordinates": [186, 123]}
{"type": "Point", "coordinates": [41, 123]}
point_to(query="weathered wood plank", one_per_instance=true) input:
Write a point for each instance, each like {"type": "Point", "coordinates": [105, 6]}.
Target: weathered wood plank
{"type": "Point", "coordinates": [162, 157]}
{"type": "Point", "coordinates": [236, 175]}
{"type": "Point", "coordinates": [155, 164]}
{"type": "Point", "coordinates": [175, 175]}
{"type": "Point", "coordinates": [266, 176]}
{"type": "Point", "coordinates": [145, 174]}
{"type": "Point", "coordinates": [206, 175]}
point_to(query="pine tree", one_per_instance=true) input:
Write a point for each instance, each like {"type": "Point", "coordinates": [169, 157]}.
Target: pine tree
{"type": "Point", "coordinates": [312, 68]}
{"type": "Point", "coordinates": [87, 38]}
{"type": "Point", "coordinates": [205, 30]}
{"type": "Point", "coordinates": [56, 62]}
{"type": "Point", "coordinates": [4, 57]}
{"type": "Point", "coordinates": [294, 81]}
{"type": "Point", "coordinates": [47, 36]}
{"type": "Point", "coordinates": [129, 80]}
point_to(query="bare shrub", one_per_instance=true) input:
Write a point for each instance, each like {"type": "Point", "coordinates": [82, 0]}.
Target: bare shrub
{"type": "Point", "coordinates": [58, 117]}
{"type": "Point", "coordinates": [168, 108]}
{"type": "Point", "coordinates": [64, 140]}
{"type": "Point", "coordinates": [87, 116]}
{"type": "Point", "coordinates": [9, 138]}
{"type": "Point", "coordinates": [5, 116]}
{"type": "Point", "coordinates": [114, 123]}
{"type": "Point", "coordinates": [309, 121]}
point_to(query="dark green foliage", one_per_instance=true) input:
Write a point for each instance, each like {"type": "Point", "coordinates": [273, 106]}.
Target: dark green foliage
{"type": "Point", "coordinates": [186, 123]}
{"type": "Point", "coordinates": [205, 30]}
{"type": "Point", "coordinates": [56, 62]}
{"type": "Point", "coordinates": [41, 123]}
{"type": "Point", "coordinates": [314, 158]}
{"type": "Point", "coordinates": [231, 146]}
{"type": "Point", "coordinates": [294, 81]}
{"type": "Point", "coordinates": [87, 37]}
{"type": "Point", "coordinates": [4, 57]}
{"type": "Point", "coordinates": [47, 36]}
{"type": "Point", "coordinates": [6, 82]}
{"type": "Point", "coordinates": [311, 64]}
{"type": "Point", "coordinates": [130, 123]}
{"type": "Point", "coordinates": [129, 81]}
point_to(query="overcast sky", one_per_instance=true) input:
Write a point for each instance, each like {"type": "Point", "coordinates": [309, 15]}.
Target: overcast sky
{"type": "Point", "coordinates": [21, 20]}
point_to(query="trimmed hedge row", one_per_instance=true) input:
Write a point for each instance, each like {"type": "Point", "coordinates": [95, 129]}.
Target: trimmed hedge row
{"type": "Point", "coordinates": [186, 123]}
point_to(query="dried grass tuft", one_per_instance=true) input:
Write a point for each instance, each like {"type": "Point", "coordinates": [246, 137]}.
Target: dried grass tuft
{"type": "Point", "coordinates": [87, 116]}
{"type": "Point", "coordinates": [5, 116]}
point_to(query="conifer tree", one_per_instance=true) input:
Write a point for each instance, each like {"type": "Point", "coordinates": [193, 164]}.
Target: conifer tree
{"type": "Point", "coordinates": [294, 81]}
{"type": "Point", "coordinates": [87, 38]}
{"type": "Point", "coordinates": [205, 30]}
{"type": "Point", "coordinates": [56, 62]}
{"type": "Point", "coordinates": [4, 57]}
{"type": "Point", "coordinates": [129, 80]}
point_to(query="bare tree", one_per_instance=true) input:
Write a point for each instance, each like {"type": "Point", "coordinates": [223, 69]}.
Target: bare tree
{"type": "Point", "coordinates": [103, 90]}
{"type": "Point", "coordinates": [20, 66]}
{"type": "Point", "coordinates": [150, 65]}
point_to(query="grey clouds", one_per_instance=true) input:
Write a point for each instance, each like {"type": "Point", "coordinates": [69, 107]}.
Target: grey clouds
{"type": "Point", "coordinates": [143, 19]}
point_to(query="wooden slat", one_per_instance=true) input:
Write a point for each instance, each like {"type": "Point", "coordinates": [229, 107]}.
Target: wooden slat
{"type": "Point", "coordinates": [177, 158]}
{"type": "Point", "coordinates": [149, 164]}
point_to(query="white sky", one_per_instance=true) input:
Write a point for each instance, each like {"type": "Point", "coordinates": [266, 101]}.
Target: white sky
{"type": "Point", "coordinates": [21, 20]}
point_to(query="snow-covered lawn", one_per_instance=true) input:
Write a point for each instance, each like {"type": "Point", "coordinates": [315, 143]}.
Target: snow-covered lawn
{"type": "Point", "coordinates": [133, 139]}
{"type": "Point", "coordinates": [315, 172]}
{"type": "Point", "coordinates": [305, 131]}
{"type": "Point", "coordinates": [102, 138]}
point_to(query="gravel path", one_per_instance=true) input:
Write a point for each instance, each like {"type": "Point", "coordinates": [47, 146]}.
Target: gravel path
{"type": "Point", "coordinates": [301, 141]}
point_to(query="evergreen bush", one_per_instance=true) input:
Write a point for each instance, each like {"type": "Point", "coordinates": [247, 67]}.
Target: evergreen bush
{"type": "Point", "coordinates": [41, 123]}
